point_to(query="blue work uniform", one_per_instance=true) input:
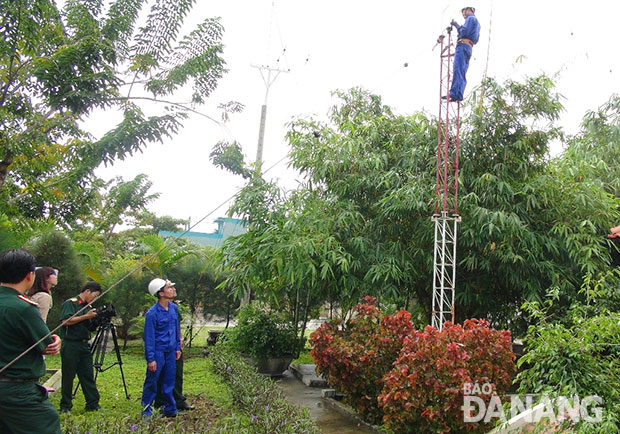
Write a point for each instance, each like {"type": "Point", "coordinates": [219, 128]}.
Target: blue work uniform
{"type": "Point", "coordinates": [468, 31]}
{"type": "Point", "coordinates": [162, 339]}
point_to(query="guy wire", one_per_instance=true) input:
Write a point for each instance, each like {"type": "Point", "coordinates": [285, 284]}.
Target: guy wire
{"type": "Point", "coordinates": [136, 268]}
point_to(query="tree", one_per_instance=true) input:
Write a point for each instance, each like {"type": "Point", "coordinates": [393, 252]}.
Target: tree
{"type": "Point", "coordinates": [163, 223]}
{"type": "Point", "coordinates": [193, 276]}
{"type": "Point", "coordinates": [54, 249]}
{"type": "Point", "coordinates": [122, 200]}
{"type": "Point", "coordinates": [528, 221]}
{"type": "Point", "coordinates": [58, 68]}
{"type": "Point", "coordinates": [128, 294]}
{"type": "Point", "coordinates": [330, 239]}
{"type": "Point", "coordinates": [219, 299]}
{"type": "Point", "coordinates": [360, 224]}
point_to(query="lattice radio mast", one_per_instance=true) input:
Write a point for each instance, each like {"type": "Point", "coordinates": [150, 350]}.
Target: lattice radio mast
{"type": "Point", "coordinates": [446, 214]}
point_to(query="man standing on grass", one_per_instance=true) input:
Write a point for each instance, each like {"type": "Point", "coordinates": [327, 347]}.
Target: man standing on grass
{"type": "Point", "coordinates": [76, 354]}
{"type": "Point", "coordinates": [24, 406]}
{"type": "Point", "coordinates": [177, 392]}
{"type": "Point", "coordinates": [162, 347]}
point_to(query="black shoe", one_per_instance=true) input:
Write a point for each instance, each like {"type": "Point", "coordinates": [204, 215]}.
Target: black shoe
{"type": "Point", "coordinates": [170, 415]}
{"type": "Point", "coordinates": [186, 408]}
{"type": "Point", "coordinates": [97, 408]}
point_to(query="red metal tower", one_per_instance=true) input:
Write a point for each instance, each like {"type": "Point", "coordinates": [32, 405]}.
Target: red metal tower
{"type": "Point", "coordinates": [446, 214]}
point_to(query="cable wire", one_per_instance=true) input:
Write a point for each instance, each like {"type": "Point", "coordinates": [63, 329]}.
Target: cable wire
{"type": "Point", "coordinates": [136, 268]}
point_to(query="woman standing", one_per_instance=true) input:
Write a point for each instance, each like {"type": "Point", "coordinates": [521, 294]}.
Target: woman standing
{"type": "Point", "coordinates": [45, 279]}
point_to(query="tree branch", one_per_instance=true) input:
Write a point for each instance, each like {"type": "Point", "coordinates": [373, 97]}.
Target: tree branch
{"type": "Point", "coordinates": [176, 104]}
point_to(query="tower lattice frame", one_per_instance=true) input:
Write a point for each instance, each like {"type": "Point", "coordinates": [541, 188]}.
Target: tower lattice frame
{"type": "Point", "coordinates": [446, 215]}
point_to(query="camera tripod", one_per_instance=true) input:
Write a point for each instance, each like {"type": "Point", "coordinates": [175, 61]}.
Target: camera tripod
{"type": "Point", "coordinates": [98, 348]}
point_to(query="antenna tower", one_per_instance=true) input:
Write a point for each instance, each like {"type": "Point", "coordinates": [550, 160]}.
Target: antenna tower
{"type": "Point", "coordinates": [446, 214]}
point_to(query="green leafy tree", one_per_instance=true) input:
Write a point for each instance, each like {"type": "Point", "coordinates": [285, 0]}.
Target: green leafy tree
{"type": "Point", "coordinates": [60, 67]}
{"type": "Point", "coordinates": [128, 294]}
{"type": "Point", "coordinates": [161, 254]}
{"type": "Point", "coordinates": [329, 240]}
{"type": "Point", "coordinates": [360, 223]}
{"type": "Point", "coordinates": [122, 201]}
{"type": "Point", "coordinates": [156, 223]}
{"type": "Point", "coordinates": [193, 277]}
{"type": "Point", "coordinates": [8, 235]}
{"type": "Point", "coordinates": [229, 156]}
{"type": "Point", "coordinates": [596, 149]}
{"type": "Point", "coordinates": [528, 221]}
{"type": "Point", "coordinates": [219, 299]}
{"type": "Point", "coordinates": [54, 249]}
{"type": "Point", "coordinates": [575, 353]}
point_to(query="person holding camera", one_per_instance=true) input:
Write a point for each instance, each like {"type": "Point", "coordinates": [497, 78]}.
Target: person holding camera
{"type": "Point", "coordinates": [162, 347]}
{"type": "Point", "coordinates": [24, 405]}
{"type": "Point", "coordinates": [75, 353]}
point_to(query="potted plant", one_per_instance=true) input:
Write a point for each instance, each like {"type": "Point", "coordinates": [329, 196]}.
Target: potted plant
{"type": "Point", "coordinates": [267, 338]}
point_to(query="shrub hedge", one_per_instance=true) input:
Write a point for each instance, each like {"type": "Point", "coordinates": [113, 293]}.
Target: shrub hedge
{"type": "Point", "coordinates": [355, 356]}
{"type": "Point", "coordinates": [258, 398]}
{"type": "Point", "coordinates": [412, 381]}
{"type": "Point", "coordinates": [424, 392]}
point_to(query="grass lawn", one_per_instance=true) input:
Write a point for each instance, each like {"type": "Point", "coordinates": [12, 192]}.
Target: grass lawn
{"type": "Point", "coordinates": [203, 388]}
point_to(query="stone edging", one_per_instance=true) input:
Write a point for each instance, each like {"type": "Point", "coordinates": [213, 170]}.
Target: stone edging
{"type": "Point", "coordinates": [54, 381]}
{"type": "Point", "coordinates": [347, 411]}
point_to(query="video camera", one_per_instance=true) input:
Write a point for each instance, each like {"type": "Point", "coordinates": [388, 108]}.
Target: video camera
{"type": "Point", "coordinates": [105, 313]}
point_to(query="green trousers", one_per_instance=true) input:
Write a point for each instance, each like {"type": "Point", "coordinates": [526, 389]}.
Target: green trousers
{"type": "Point", "coordinates": [77, 359]}
{"type": "Point", "coordinates": [25, 409]}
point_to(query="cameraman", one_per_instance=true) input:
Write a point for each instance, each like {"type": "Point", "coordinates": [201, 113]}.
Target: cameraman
{"type": "Point", "coordinates": [75, 352]}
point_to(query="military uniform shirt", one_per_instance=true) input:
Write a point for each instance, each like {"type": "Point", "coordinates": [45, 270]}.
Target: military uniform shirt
{"type": "Point", "coordinates": [20, 327]}
{"type": "Point", "coordinates": [79, 331]}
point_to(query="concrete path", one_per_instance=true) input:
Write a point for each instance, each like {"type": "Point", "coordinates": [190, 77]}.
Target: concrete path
{"type": "Point", "coordinates": [329, 420]}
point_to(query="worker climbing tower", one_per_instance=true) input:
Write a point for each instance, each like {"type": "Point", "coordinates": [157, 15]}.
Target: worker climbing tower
{"type": "Point", "coordinates": [446, 215]}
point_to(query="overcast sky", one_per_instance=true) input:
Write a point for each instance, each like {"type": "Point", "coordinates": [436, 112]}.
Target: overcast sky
{"type": "Point", "coordinates": [339, 44]}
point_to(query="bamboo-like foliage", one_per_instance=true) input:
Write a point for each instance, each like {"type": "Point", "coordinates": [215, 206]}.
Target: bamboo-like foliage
{"type": "Point", "coordinates": [360, 224]}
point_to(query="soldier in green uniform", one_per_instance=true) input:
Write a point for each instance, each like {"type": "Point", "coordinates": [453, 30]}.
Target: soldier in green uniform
{"type": "Point", "coordinates": [76, 353]}
{"type": "Point", "coordinates": [24, 407]}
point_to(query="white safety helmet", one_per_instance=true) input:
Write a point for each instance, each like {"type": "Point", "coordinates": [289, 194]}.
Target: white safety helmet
{"type": "Point", "coordinates": [157, 285]}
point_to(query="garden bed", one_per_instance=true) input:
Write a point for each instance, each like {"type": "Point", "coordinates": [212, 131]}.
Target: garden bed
{"type": "Point", "coordinates": [205, 390]}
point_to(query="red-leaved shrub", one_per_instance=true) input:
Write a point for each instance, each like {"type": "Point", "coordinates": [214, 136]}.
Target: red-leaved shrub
{"type": "Point", "coordinates": [354, 357]}
{"type": "Point", "coordinates": [424, 390]}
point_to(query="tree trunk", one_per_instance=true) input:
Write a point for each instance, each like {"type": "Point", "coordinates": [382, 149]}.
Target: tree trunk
{"type": "Point", "coordinates": [4, 167]}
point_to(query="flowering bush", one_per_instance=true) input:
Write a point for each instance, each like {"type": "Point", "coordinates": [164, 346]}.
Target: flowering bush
{"type": "Point", "coordinates": [354, 357]}
{"type": "Point", "coordinates": [424, 392]}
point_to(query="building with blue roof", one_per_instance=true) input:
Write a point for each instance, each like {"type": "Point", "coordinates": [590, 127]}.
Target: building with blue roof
{"type": "Point", "coordinates": [226, 227]}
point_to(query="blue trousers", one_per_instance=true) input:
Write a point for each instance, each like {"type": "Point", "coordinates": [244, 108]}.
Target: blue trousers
{"type": "Point", "coordinates": [166, 368]}
{"type": "Point", "coordinates": [461, 64]}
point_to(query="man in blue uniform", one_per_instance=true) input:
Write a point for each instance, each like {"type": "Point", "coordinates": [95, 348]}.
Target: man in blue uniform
{"type": "Point", "coordinates": [162, 347]}
{"type": "Point", "coordinates": [24, 407]}
{"type": "Point", "coordinates": [468, 35]}
{"type": "Point", "coordinates": [177, 392]}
